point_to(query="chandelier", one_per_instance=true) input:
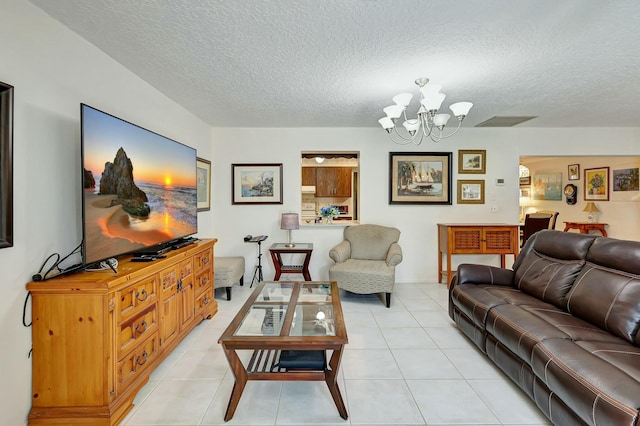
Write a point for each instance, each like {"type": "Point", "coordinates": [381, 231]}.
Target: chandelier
{"type": "Point", "coordinates": [429, 122]}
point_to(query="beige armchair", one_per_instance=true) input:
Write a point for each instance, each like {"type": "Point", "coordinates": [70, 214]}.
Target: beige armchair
{"type": "Point", "coordinates": [366, 260]}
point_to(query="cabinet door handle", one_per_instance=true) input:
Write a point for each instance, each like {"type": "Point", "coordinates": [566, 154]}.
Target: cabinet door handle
{"type": "Point", "coordinates": [142, 293]}
{"type": "Point", "coordinates": [144, 358]}
{"type": "Point", "coordinates": [142, 327]}
{"type": "Point", "coordinates": [179, 285]}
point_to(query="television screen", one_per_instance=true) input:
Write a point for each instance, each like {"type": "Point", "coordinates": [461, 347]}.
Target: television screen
{"type": "Point", "coordinates": [139, 188]}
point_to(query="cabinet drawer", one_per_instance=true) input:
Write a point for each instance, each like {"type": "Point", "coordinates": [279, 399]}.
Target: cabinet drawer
{"type": "Point", "coordinates": [205, 304]}
{"type": "Point", "coordinates": [136, 329]}
{"type": "Point", "coordinates": [137, 297]}
{"type": "Point", "coordinates": [203, 260]}
{"type": "Point", "coordinates": [203, 280]}
{"type": "Point", "coordinates": [137, 361]}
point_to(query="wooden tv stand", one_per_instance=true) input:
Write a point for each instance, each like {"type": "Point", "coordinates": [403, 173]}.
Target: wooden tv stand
{"type": "Point", "coordinates": [97, 336]}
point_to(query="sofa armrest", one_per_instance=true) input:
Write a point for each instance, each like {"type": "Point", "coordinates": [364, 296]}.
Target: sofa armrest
{"type": "Point", "coordinates": [394, 255]}
{"type": "Point", "coordinates": [341, 252]}
{"type": "Point", "coordinates": [483, 274]}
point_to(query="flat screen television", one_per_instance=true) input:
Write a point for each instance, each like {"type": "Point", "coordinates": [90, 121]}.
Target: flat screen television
{"type": "Point", "coordinates": [139, 188]}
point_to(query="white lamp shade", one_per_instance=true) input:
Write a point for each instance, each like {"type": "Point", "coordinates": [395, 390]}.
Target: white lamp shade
{"type": "Point", "coordinates": [412, 125]}
{"type": "Point", "coordinates": [440, 120]}
{"type": "Point", "coordinates": [386, 123]}
{"type": "Point", "coordinates": [393, 111]}
{"type": "Point", "coordinates": [433, 102]}
{"type": "Point", "coordinates": [289, 221]}
{"type": "Point", "coordinates": [403, 99]}
{"type": "Point", "coordinates": [461, 109]}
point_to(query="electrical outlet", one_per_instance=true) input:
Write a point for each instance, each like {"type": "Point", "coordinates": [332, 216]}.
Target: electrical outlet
{"type": "Point", "coordinates": [493, 208]}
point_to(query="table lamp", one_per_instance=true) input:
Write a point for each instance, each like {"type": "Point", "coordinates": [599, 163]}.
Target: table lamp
{"type": "Point", "coordinates": [591, 209]}
{"type": "Point", "coordinates": [289, 221]}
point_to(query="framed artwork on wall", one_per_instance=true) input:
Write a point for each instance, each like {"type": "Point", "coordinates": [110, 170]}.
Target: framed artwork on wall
{"type": "Point", "coordinates": [6, 165]}
{"type": "Point", "coordinates": [471, 191]}
{"type": "Point", "coordinates": [626, 180]}
{"type": "Point", "coordinates": [547, 186]}
{"type": "Point", "coordinates": [420, 178]}
{"type": "Point", "coordinates": [203, 183]}
{"type": "Point", "coordinates": [573, 171]}
{"type": "Point", "coordinates": [256, 183]}
{"type": "Point", "coordinates": [596, 184]}
{"type": "Point", "coordinates": [472, 161]}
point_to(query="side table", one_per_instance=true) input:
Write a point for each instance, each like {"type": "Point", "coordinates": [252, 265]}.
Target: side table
{"type": "Point", "coordinates": [278, 249]}
{"type": "Point", "coordinates": [585, 227]}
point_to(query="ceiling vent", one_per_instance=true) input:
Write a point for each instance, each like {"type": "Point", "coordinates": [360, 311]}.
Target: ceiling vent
{"type": "Point", "coordinates": [505, 121]}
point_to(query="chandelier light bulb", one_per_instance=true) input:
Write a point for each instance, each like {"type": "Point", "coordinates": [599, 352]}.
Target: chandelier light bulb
{"type": "Point", "coordinates": [428, 122]}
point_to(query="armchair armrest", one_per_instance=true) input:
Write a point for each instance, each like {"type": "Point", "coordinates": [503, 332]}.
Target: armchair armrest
{"type": "Point", "coordinates": [341, 252]}
{"type": "Point", "coordinates": [483, 274]}
{"type": "Point", "coordinates": [394, 255]}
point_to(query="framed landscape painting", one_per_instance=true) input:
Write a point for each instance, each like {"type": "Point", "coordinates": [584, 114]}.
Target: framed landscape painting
{"type": "Point", "coordinates": [596, 184]}
{"type": "Point", "coordinates": [470, 191]}
{"type": "Point", "coordinates": [419, 178]}
{"type": "Point", "coordinates": [256, 183]}
{"type": "Point", "coordinates": [472, 161]}
{"type": "Point", "coordinates": [547, 186]}
{"type": "Point", "coordinates": [626, 180]}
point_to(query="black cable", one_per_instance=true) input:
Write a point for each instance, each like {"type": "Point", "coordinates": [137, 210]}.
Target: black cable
{"type": "Point", "coordinates": [24, 311]}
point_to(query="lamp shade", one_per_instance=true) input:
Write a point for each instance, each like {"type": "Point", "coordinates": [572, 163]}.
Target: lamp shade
{"type": "Point", "coordinates": [591, 208]}
{"type": "Point", "coordinates": [289, 221]}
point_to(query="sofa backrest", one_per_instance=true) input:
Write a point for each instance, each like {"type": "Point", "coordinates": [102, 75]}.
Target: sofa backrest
{"type": "Point", "coordinates": [370, 242]}
{"type": "Point", "coordinates": [607, 291]}
{"type": "Point", "coordinates": [549, 264]}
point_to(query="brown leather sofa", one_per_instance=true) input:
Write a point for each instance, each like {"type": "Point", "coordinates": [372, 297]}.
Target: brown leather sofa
{"type": "Point", "coordinates": [563, 324]}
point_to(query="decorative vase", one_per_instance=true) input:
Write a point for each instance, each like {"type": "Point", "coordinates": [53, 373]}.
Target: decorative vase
{"type": "Point", "coordinates": [328, 219]}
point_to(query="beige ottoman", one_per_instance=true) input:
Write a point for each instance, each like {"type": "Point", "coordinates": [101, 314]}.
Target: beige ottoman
{"type": "Point", "coordinates": [227, 271]}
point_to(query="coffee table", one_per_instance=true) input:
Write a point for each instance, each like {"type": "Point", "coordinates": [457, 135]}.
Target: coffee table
{"type": "Point", "coordinates": [292, 316]}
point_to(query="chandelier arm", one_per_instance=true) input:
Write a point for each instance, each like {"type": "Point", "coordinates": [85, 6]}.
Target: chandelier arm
{"type": "Point", "coordinates": [439, 138]}
{"type": "Point", "coordinates": [426, 126]}
{"type": "Point", "coordinates": [403, 140]}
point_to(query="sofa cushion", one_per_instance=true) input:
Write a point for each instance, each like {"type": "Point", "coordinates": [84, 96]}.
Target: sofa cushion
{"type": "Point", "coordinates": [609, 299]}
{"type": "Point", "coordinates": [475, 301]}
{"type": "Point", "coordinates": [599, 381]}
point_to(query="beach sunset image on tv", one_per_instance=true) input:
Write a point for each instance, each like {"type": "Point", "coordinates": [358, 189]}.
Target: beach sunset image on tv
{"type": "Point", "coordinates": [139, 187]}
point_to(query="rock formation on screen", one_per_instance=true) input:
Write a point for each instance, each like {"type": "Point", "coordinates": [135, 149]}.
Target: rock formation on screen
{"type": "Point", "coordinates": [117, 179]}
{"type": "Point", "coordinates": [88, 180]}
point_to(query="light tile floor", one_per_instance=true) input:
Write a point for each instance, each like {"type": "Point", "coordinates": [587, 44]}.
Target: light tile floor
{"type": "Point", "coordinates": [406, 365]}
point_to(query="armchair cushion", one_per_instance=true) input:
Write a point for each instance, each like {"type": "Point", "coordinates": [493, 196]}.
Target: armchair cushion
{"type": "Point", "coordinates": [370, 242]}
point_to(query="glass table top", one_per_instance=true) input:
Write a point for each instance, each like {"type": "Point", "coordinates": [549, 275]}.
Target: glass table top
{"type": "Point", "coordinates": [290, 309]}
{"type": "Point", "coordinates": [297, 247]}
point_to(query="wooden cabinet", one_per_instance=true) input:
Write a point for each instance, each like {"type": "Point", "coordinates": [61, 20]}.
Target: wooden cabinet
{"type": "Point", "coordinates": [333, 182]}
{"type": "Point", "coordinates": [308, 176]}
{"type": "Point", "coordinates": [97, 336]}
{"type": "Point", "coordinates": [478, 238]}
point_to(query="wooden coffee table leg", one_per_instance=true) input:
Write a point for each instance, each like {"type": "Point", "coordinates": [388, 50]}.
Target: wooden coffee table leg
{"type": "Point", "coordinates": [240, 374]}
{"type": "Point", "coordinates": [331, 378]}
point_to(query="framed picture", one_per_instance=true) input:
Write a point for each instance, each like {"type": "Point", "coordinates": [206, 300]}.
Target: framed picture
{"type": "Point", "coordinates": [573, 171]}
{"type": "Point", "coordinates": [525, 181]}
{"type": "Point", "coordinates": [525, 192]}
{"type": "Point", "coordinates": [472, 161]}
{"type": "Point", "coordinates": [6, 165]}
{"type": "Point", "coordinates": [471, 191]}
{"type": "Point", "coordinates": [256, 183]}
{"type": "Point", "coordinates": [626, 180]}
{"type": "Point", "coordinates": [419, 178]}
{"type": "Point", "coordinates": [203, 184]}
{"type": "Point", "coordinates": [596, 184]}
{"type": "Point", "coordinates": [547, 186]}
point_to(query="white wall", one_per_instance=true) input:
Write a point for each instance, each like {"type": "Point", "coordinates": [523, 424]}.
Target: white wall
{"type": "Point", "coordinates": [53, 71]}
{"type": "Point", "coordinates": [417, 223]}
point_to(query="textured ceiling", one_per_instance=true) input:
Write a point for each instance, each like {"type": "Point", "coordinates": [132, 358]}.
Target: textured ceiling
{"type": "Point", "coordinates": [337, 63]}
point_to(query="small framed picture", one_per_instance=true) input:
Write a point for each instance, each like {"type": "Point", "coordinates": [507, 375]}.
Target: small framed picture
{"type": "Point", "coordinates": [203, 184]}
{"type": "Point", "coordinates": [472, 161]}
{"type": "Point", "coordinates": [525, 181]}
{"type": "Point", "coordinates": [471, 191]}
{"type": "Point", "coordinates": [573, 171]}
{"type": "Point", "coordinates": [256, 183]}
{"type": "Point", "coordinates": [596, 184]}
